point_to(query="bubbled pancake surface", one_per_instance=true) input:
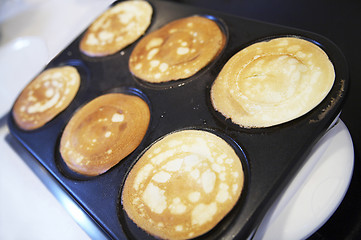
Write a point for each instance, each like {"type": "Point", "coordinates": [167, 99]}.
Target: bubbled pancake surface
{"type": "Point", "coordinates": [45, 97]}
{"type": "Point", "coordinates": [178, 50]}
{"type": "Point", "coordinates": [183, 185]}
{"type": "Point", "coordinates": [273, 82]}
{"type": "Point", "coordinates": [116, 28]}
{"type": "Point", "coordinates": [103, 132]}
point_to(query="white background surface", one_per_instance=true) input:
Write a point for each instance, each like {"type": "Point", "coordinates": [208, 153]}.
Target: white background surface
{"type": "Point", "coordinates": [32, 32]}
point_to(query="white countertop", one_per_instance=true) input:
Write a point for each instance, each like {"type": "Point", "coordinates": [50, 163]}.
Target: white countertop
{"type": "Point", "coordinates": [28, 210]}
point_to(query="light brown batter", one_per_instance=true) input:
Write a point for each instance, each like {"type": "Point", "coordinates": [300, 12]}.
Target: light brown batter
{"type": "Point", "coordinates": [273, 82]}
{"type": "Point", "coordinates": [183, 185]}
{"type": "Point", "coordinates": [103, 132]}
{"type": "Point", "coordinates": [116, 28]}
{"type": "Point", "coordinates": [45, 97]}
{"type": "Point", "coordinates": [178, 50]}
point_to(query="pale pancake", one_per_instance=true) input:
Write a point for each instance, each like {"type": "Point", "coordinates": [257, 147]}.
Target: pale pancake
{"type": "Point", "coordinates": [183, 185]}
{"type": "Point", "coordinates": [116, 28]}
{"type": "Point", "coordinates": [273, 82]}
{"type": "Point", "coordinates": [45, 97]}
{"type": "Point", "coordinates": [103, 132]}
{"type": "Point", "coordinates": [178, 50]}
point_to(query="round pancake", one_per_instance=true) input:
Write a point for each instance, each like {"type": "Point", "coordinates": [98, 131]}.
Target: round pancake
{"type": "Point", "coordinates": [178, 50]}
{"type": "Point", "coordinates": [273, 82]}
{"type": "Point", "coordinates": [116, 28]}
{"type": "Point", "coordinates": [103, 132]}
{"type": "Point", "coordinates": [183, 185]}
{"type": "Point", "coordinates": [45, 97]}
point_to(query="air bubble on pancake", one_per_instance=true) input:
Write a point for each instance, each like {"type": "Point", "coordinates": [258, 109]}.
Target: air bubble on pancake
{"type": "Point", "coordinates": [173, 165]}
{"type": "Point", "coordinates": [118, 117]}
{"type": "Point", "coordinates": [222, 194]}
{"type": "Point", "coordinates": [191, 161]}
{"type": "Point", "coordinates": [221, 158]}
{"type": "Point", "coordinates": [234, 188]}
{"type": "Point", "coordinates": [49, 92]}
{"type": "Point", "coordinates": [154, 198]}
{"type": "Point", "coordinates": [142, 175]}
{"type": "Point", "coordinates": [163, 67]}
{"type": "Point", "coordinates": [203, 213]}
{"type": "Point", "coordinates": [294, 48]}
{"type": "Point", "coordinates": [152, 53]}
{"type": "Point", "coordinates": [79, 159]}
{"type": "Point", "coordinates": [125, 18]}
{"type": "Point", "coordinates": [42, 107]}
{"type": "Point", "coordinates": [208, 181]}
{"type": "Point", "coordinates": [162, 156]}
{"type": "Point", "coordinates": [235, 174]}
{"type": "Point", "coordinates": [138, 66]}
{"type": "Point", "coordinates": [157, 150]}
{"type": "Point", "coordinates": [154, 63]}
{"type": "Point", "coordinates": [161, 177]}
{"type": "Point", "coordinates": [222, 176]}
{"type": "Point", "coordinates": [179, 228]}
{"type": "Point", "coordinates": [177, 207]}
{"type": "Point", "coordinates": [182, 50]}
{"type": "Point", "coordinates": [216, 167]}
{"type": "Point", "coordinates": [106, 36]}
{"type": "Point", "coordinates": [195, 174]}
{"type": "Point", "coordinates": [119, 39]}
{"type": "Point", "coordinates": [194, 196]}
{"type": "Point", "coordinates": [107, 134]}
{"type": "Point", "coordinates": [229, 160]}
{"type": "Point", "coordinates": [31, 98]}
{"type": "Point", "coordinates": [57, 75]}
{"type": "Point", "coordinates": [155, 42]}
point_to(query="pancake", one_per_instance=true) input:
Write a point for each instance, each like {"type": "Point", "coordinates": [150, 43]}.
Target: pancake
{"type": "Point", "coordinates": [103, 132]}
{"type": "Point", "coordinates": [178, 50]}
{"type": "Point", "coordinates": [183, 185]}
{"type": "Point", "coordinates": [273, 82]}
{"type": "Point", "coordinates": [116, 28]}
{"type": "Point", "coordinates": [45, 97]}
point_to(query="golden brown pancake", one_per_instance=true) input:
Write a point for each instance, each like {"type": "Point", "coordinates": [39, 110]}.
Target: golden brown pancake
{"type": "Point", "coordinates": [116, 28]}
{"type": "Point", "coordinates": [45, 97]}
{"type": "Point", "coordinates": [273, 82]}
{"type": "Point", "coordinates": [103, 132]}
{"type": "Point", "coordinates": [183, 185]}
{"type": "Point", "coordinates": [177, 51]}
